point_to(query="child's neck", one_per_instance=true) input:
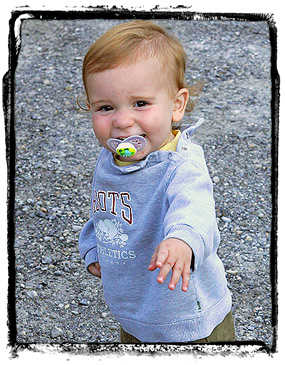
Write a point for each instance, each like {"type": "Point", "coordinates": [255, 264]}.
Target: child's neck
{"type": "Point", "coordinates": [170, 138]}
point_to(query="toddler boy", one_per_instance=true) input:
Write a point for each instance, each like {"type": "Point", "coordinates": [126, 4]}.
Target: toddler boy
{"type": "Point", "coordinates": [152, 202]}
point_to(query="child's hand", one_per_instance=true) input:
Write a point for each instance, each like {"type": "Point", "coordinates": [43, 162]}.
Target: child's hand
{"type": "Point", "coordinates": [172, 254]}
{"type": "Point", "coordinates": [95, 269]}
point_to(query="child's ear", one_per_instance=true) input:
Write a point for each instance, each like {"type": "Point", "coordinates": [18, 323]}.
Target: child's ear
{"type": "Point", "coordinates": [180, 102]}
{"type": "Point", "coordinates": [83, 103]}
{"type": "Point", "coordinates": [87, 103]}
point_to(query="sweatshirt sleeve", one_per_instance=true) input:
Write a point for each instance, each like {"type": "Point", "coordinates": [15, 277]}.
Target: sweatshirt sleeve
{"type": "Point", "coordinates": [87, 239]}
{"type": "Point", "coordinates": [191, 214]}
{"type": "Point", "coordinates": [87, 244]}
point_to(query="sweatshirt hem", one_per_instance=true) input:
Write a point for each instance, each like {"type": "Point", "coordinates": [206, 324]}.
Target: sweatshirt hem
{"type": "Point", "coordinates": [187, 330]}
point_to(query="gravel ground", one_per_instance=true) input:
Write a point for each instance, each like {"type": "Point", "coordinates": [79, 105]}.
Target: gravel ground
{"type": "Point", "coordinates": [56, 300]}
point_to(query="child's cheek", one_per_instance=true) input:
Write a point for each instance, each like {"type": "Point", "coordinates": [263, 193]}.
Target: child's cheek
{"type": "Point", "coordinates": [94, 123]}
{"type": "Point", "coordinates": [100, 128]}
{"type": "Point", "coordinates": [150, 121]}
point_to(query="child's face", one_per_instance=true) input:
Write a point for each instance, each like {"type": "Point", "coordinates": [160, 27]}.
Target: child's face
{"type": "Point", "coordinates": [134, 100]}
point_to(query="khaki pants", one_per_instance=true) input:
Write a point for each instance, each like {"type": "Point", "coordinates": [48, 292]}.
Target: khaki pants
{"type": "Point", "coordinates": [224, 332]}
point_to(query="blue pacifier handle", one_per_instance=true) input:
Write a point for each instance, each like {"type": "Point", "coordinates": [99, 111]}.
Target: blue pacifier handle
{"type": "Point", "coordinates": [128, 147]}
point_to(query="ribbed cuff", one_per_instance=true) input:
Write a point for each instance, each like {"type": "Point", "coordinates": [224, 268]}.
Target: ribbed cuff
{"type": "Point", "coordinates": [191, 238]}
{"type": "Point", "coordinates": [91, 257]}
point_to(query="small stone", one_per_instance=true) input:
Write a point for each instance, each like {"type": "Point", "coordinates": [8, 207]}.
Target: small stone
{"type": "Point", "coordinates": [219, 214]}
{"type": "Point", "coordinates": [40, 214]}
{"type": "Point", "coordinates": [47, 238]}
{"type": "Point", "coordinates": [251, 327]}
{"type": "Point", "coordinates": [232, 272]}
{"type": "Point", "coordinates": [68, 88]}
{"type": "Point", "coordinates": [83, 301]}
{"type": "Point", "coordinates": [46, 260]}
{"type": "Point", "coordinates": [76, 228]}
{"type": "Point", "coordinates": [226, 220]}
{"type": "Point", "coordinates": [36, 117]}
{"type": "Point", "coordinates": [56, 332]}
{"type": "Point", "coordinates": [249, 259]}
{"type": "Point", "coordinates": [216, 179]}
{"type": "Point", "coordinates": [32, 294]}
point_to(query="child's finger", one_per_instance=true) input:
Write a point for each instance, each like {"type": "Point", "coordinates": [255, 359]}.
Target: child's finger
{"type": "Point", "coordinates": [185, 278]}
{"type": "Point", "coordinates": [162, 255]}
{"type": "Point", "coordinates": [176, 275]}
{"type": "Point", "coordinates": [152, 265]}
{"type": "Point", "coordinates": [165, 269]}
{"type": "Point", "coordinates": [98, 267]}
{"type": "Point", "coordinates": [94, 270]}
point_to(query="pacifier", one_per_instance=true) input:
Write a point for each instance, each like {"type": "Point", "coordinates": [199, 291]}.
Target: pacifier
{"type": "Point", "coordinates": [128, 147]}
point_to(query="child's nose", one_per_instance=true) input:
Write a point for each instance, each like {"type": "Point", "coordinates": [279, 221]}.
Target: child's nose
{"type": "Point", "coordinates": [123, 120]}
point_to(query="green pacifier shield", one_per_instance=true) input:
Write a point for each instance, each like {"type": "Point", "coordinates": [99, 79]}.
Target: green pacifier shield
{"type": "Point", "coordinates": [126, 149]}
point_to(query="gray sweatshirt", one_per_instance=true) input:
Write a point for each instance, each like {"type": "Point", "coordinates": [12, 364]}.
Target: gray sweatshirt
{"type": "Point", "coordinates": [133, 209]}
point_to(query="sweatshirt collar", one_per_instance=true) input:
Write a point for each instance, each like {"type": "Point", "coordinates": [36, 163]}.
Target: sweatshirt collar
{"type": "Point", "coordinates": [183, 144]}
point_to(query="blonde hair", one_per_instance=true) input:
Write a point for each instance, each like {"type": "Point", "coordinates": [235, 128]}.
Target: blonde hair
{"type": "Point", "coordinates": [124, 43]}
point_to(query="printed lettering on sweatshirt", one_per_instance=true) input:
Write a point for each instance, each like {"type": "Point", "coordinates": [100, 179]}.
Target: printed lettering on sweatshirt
{"type": "Point", "coordinates": [110, 232]}
{"type": "Point", "coordinates": [107, 201]}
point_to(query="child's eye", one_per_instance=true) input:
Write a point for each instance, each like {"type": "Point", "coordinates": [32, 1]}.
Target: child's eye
{"type": "Point", "coordinates": [105, 108]}
{"type": "Point", "coordinates": [140, 103]}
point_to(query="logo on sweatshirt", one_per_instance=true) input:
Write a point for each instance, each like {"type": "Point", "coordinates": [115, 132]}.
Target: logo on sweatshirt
{"type": "Point", "coordinates": [112, 239]}
{"type": "Point", "coordinates": [111, 231]}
